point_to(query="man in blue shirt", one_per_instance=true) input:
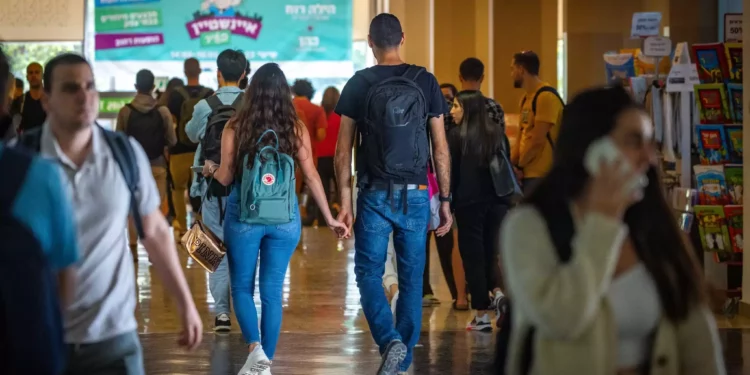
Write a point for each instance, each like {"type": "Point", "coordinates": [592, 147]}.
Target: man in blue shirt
{"type": "Point", "coordinates": [232, 65]}
{"type": "Point", "coordinates": [38, 237]}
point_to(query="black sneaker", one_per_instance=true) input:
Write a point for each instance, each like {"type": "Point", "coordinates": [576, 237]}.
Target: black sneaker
{"type": "Point", "coordinates": [395, 353]}
{"type": "Point", "coordinates": [501, 310]}
{"type": "Point", "coordinates": [222, 323]}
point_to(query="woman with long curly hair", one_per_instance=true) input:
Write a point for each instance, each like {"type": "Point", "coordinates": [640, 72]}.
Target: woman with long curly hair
{"type": "Point", "coordinates": [267, 106]}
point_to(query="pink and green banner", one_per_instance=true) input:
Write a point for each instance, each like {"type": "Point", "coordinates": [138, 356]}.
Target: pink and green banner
{"type": "Point", "coordinates": [167, 30]}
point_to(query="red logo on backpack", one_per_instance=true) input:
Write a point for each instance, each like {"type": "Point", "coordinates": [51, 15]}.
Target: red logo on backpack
{"type": "Point", "coordinates": [268, 179]}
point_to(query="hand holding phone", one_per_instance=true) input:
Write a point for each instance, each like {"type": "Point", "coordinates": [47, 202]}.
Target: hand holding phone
{"type": "Point", "coordinates": [614, 184]}
{"type": "Point", "coordinates": [197, 169]}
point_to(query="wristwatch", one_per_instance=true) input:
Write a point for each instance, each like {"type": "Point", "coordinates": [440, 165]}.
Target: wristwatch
{"type": "Point", "coordinates": [447, 199]}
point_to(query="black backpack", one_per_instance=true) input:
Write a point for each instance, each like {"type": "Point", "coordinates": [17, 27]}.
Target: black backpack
{"type": "Point", "coordinates": [123, 153]}
{"type": "Point", "coordinates": [28, 291]}
{"type": "Point", "coordinates": [394, 144]}
{"type": "Point", "coordinates": [561, 228]}
{"type": "Point", "coordinates": [211, 144]}
{"type": "Point", "coordinates": [148, 129]}
{"type": "Point", "coordinates": [533, 106]}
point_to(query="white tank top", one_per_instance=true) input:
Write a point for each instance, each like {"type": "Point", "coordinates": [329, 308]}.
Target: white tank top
{"type": "Point", "coordinates": [637, 311]}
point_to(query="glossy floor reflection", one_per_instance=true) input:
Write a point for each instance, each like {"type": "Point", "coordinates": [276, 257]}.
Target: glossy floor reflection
{"type": "Point", "coordinates": [324, 330]}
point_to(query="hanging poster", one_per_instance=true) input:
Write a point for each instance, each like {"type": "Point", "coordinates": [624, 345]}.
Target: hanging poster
{"type": "Point", "coordinates": [266, 30]}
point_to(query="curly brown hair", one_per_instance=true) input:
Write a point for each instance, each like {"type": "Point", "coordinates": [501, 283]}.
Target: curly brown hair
{"type": "Point", "coordinates": [267, 105]}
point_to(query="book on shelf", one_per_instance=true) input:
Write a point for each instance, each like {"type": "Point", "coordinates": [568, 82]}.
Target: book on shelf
{"type": "Point", "coordinates": [733, 134]}
{"type": "Point", "coordinates": [712, 227]}
{"type": "Point", "coordinates": [711, 184]}
{"type": "Point", "coordinates": [733, 177]}
{"type": "Point", "coordinates": [711, 61]}
{"type": "Point", "coordinates": [734, 61]}
{"type": "Point", "coordinates": [712, 144]}
{"type": "Point", "coordinates": [733, 215]}
{"type": "Point", "coordinates": [713, 104]}
{"type": "Point", "coordinates": [734, 92]}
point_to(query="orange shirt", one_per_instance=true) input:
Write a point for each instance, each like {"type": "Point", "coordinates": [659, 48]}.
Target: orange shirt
{"type": "Point", "coordinates": [314, 119]}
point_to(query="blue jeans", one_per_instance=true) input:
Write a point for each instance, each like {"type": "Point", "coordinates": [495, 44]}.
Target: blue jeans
{"type": "Point", "coordinates": [218, 282]}
{"type": "Point", "coordinates": [374, 224]}
{"type": "Point", "coordinates": [274, 245]}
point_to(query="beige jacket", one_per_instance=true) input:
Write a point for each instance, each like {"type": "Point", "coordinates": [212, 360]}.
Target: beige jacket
{"type": "Point", "coordinates": [575, 328]}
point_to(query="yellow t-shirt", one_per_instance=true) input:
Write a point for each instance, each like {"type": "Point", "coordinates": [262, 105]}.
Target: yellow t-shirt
{"type": "Point", "coordinates": [534, 155]}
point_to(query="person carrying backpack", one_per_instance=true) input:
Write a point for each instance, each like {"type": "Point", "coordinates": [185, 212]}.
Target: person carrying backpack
{"type": "Point", "coordinates": [205, 128]}
{"type": "Point", "coordinates": [181, 103]}
{"type": "Point", "coordinates": [260, 147]}
{"type": "Point", "coordinates": [541, 112]}
{"type": "Point", "coordinates": [106, 176]}
{"type": "Point", "coordinates": [150, 125]}
{"type": "Point", "coordinates": [387, 107]}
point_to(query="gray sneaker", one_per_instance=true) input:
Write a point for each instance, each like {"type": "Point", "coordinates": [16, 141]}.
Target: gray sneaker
{"type": "Point", "coordinates": [394, 354]}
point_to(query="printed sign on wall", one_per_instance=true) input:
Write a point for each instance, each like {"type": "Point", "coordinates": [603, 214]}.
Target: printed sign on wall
{"type": "Point", "coordinates": [170, 30]}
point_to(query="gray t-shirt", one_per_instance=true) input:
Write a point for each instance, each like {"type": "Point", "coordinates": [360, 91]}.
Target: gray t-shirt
{"type": "Point", "coordinates": [104, 303]}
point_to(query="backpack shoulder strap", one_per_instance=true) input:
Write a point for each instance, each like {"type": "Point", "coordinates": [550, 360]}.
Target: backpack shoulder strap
{"type": "Point", "coordinates": [214, 102]}
{"type": "Point", "coordinates": [204, 92]}
{"type": "Point", "coordinates": [31, 139]}
{"type": "Point", "coordinates": [183, 92]}
{"type": "Point", "coordinates": [14, 164]}
{"type": "Point", "coordinates": [369, 76]}
{"type": "Point", "coordinates": [238, 100]}
{"type": "Point", "coordinates": [541, 90]}
{"type": "Point", "coordinates": [124, 155]}
{"type": "Point", "coordinates": [533, 106]}
{"type": "Point", "coordinates": [412, 72]}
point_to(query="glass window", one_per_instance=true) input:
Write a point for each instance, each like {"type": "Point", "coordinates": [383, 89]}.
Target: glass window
{"type": "Point", "coordinates": [24, 53]}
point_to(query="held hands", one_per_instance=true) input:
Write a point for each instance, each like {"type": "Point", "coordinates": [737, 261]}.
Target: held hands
{"type": "Point", "coordinates": [209, 168]}
{"type": "Point", "coordinates": [341, 229]}
{"type": "Point", "coordinates": [346, 218]}
{"type": "Point", "coordinates": [609, 191]}
{"type": "Point", "coordinates": [446, 219]}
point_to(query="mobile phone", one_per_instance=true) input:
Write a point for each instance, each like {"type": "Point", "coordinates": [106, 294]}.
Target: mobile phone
{"type": "Point", "coordinates": [197, 169]}
{"type": "Point", "coordinates": [604, 149]}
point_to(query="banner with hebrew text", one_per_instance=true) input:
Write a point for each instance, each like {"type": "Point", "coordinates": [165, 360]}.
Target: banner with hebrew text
{"type": "Point", "coordinates": [266, 30]}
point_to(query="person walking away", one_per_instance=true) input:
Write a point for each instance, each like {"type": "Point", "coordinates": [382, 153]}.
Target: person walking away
{"type": "Point", "coordinates": [100, 326]}
{"type": "Point", "coordinates": [259, 148]}
{"type": "Point", "coordinates": [163, 99]}
{"type": "Point", "coordinates": [205, 128]}
{"type": "Point", "coordinates": [27, 109]}
{"type": "Point", "coordinates": [327, 147]}
{"type": "Point", "coordinates": [392, 159]}
{"type": "Point", "coordinates": [541, 112]}
{"type": "Point", "coordinates": [151, 125]}
{"type": "Point", "coordinates": [600, 276]}
{"type": "Point", "coordinates": [181, 104]}
{"type": "Point", "coordinates": [478, 206]}
{"type": "Point", "coordinates": [315, 120]}
{"type": "Point", "coordinates": [39, 252]}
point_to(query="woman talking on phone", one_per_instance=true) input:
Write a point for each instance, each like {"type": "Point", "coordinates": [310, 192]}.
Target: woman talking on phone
{"type": "Point", "coordinates": [264, 136]}
{"type": "Point", "coordinates": [600, 277]}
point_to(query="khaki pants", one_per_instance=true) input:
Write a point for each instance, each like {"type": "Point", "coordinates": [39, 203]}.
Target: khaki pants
{"type": "Point", "coordinates": [180, 165]}
{"type": "Point", "coordinates": [160, 176]}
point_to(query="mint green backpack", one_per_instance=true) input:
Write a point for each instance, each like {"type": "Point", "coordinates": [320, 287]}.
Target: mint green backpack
{"type": "Point", "coordinates": [267, 189]}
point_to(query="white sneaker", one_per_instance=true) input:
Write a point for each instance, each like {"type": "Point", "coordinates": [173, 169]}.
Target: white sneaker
{"type": "Point", "coordinates": [394, 300]}
{"type": "Point", "coordinates": [257, 363]}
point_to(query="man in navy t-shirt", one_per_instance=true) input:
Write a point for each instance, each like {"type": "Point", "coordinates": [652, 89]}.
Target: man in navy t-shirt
{"type": "Point", "coordinates": [378, 213]}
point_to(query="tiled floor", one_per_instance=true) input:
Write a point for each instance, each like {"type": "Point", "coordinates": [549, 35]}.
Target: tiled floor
{"type": "Point", "coordinates": [324, 330]}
